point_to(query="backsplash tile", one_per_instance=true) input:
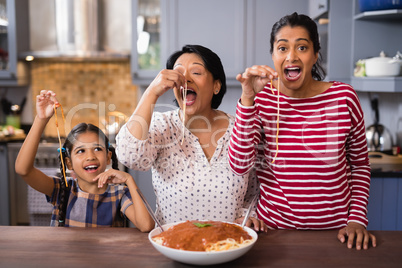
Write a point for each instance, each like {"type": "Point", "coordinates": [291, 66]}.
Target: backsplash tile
{"type": "Point", "coordinates": [87, 90]}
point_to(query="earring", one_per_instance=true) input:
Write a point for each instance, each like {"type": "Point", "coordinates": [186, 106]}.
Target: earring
{"type": "Point", "coordinates": [217, 91]}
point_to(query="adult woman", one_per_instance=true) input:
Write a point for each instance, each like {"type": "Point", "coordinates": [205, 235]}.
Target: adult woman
{"type": "Point", "coordinates": [190, 170]}
{"type": "Point", "coordinates": [314, 172]}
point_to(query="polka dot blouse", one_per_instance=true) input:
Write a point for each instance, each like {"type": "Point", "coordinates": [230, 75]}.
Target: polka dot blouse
{"type": "Point", "coordinates": [187, 186]}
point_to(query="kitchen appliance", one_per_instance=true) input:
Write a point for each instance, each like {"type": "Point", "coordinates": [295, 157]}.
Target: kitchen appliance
{"type": "Point", "coordinates": [28, 206]}
{"type": "Point", "coordinates": [379, 138]}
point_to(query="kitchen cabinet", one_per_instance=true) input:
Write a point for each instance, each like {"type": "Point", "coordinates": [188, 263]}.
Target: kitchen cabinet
{"type": "Point", "coordinates": [318, 8]}
{"type": "Point", "coordinates": [4, 189]}
{"type": "Point", "coordinates": [354, 35]}
{"type": "Point", "coordinates": [219, 28]}
{"type": "Point", "coordinates": [385, 203]}
{"type": "Point", "coordinates": [237, 30]}
{"type": "Point", "coordinates": [14, 37]}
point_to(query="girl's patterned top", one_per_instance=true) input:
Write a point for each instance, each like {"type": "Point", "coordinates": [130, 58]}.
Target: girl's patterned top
{"type": "Point", "coordinates": [91, 210]}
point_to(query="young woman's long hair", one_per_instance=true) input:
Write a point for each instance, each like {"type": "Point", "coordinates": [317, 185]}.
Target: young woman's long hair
{"type": "Point", "coordinates": [66, 153]}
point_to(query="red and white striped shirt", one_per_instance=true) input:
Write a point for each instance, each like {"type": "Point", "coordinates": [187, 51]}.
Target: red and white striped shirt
{"type": "Point", "coordinates": [320, 178]}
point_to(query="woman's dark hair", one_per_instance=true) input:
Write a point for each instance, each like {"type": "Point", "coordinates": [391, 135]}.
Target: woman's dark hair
{"type": "Point", "coordinates": [307, 23]}
{"type": "Point", "coordinates": [66, 153]}
{"type": "Point", "coordinates": [212, 63]}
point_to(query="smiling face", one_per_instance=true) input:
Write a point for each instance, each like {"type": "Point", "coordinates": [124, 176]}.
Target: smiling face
{"type": "Point", "coordinates": [293, 56]}
{"type": "Point", "coordinates": [201, 85]}
{"type": "Point", "coordinates": [88, 157]}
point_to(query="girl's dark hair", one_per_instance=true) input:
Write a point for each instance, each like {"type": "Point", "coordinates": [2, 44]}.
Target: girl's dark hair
{"type": "Point", "coordinates": [307, 23]}
{"type": "Point", "coordinates": [66, 150]}
{"type": "Point", "coordinates": [212, 63]}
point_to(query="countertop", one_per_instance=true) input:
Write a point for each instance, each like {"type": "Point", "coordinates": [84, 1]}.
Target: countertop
{"type": "Point", "coordinates": [383, 165]}
{"type": "Point", "coordinates": [24, 246]}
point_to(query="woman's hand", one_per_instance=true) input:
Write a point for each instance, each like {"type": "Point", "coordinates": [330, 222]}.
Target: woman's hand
{"type": "Point", "coordinates": [253, 81]}
{"type": "Point", "coordinates": [165, 80]}
{"type": "Point", "coordinates": [112, 176]}
{"type": "Point", "coordinates": [259, 225]}
{"type": "Point", "coordinates": [356, 232]}
{"type": "Point", "coordinates": [45, 102]}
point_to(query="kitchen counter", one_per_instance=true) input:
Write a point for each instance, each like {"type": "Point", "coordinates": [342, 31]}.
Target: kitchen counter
{"type": "Point", "coordinates": [22, 246]}
{"type": "Point", "coordinates": [384, 165]}
{"type": "Point", "coordinates": [386, 171]}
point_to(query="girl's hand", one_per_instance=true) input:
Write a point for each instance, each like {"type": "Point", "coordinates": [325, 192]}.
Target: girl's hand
{"type": "Point", "coordinates": [165, 80]}
{"type": "Point", "coordinates": [112, 176]}
{"type": "Point", "coordinates": [44, 104]}
{"type": "Point", "coordinates": [354, 231]}
{"type": "Point", "coordinates": [253, 81]}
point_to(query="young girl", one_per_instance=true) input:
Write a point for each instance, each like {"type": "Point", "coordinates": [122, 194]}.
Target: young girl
{"type": "Point", "coordinates": [93, 197]}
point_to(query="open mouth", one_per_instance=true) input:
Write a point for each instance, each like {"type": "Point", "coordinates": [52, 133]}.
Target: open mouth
{"type": "Point", "coordinates": [91, 168]}
{"type": "Point", "coordinates": [292, 73]}
{"type": "Point", "coordinates": [190, 96]}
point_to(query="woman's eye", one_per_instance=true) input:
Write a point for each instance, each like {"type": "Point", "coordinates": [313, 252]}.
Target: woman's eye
{"type": "Point", "coordinates": [302, 48]}
{"type": "Point", "coordinates": [281, 49]}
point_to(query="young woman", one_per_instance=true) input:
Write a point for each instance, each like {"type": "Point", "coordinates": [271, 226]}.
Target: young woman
{"type": "Point", "coordinates": [187, 147]}
{"type": "Point", "coordinates": [94, 197]}
{"type": "Point", "coordinates": [314, 169]}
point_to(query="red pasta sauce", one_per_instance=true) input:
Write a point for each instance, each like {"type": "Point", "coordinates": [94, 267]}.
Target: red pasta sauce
{"type": "Point", "coordinates": [197, 235]}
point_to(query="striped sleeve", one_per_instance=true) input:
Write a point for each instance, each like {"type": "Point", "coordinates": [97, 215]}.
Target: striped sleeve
{"type": "Point", "coordinates": [357, 155]}
{"type": "Point", "coordinates": [246, 135]}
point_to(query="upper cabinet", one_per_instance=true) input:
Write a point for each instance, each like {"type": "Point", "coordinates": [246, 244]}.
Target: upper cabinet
{"type": "Point", "coordinates": [318, 8]}
{"type": "Point", "coordinates": [355, 35]}
{"type": "Point", "coordinates": [162, 27]}
{"type": "Point", "coordinates": [237, 30]}
{"type": "Point", "coordinates": [14, 37]}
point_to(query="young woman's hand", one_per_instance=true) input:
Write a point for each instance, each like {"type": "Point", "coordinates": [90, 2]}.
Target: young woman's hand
{"type": "Point", "coordinates": [165, 80]}
{"type": "Point", "coordinates": [45, 102]}
{"type": "Point", "coordinates": [256, 224]}
{"type": "Point", "coordinates": [253, 81]}
{"type": "Point", "coordinates": [112, 176]}
{"type": "Point", "coordinates": [356, 232]}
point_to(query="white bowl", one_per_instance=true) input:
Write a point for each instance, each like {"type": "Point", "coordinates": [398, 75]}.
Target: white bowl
{"type": "Point", "coordinates": [198, 257]}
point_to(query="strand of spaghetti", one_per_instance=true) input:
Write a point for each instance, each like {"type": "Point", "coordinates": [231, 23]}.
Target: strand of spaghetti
{"type": "Point", "coordinates": [277, 122]}
{"type": "Point", "coordinates": [184, 111]}
{"type": "Point", "coordinates": [58, 135]}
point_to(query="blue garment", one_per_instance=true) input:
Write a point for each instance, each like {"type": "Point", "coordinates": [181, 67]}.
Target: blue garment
{"type": "Point", "coordinates": [91, 210]}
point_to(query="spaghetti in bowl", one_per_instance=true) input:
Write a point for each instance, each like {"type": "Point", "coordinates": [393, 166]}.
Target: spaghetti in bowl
{"type": "Point", "coordinates": [203, 242]}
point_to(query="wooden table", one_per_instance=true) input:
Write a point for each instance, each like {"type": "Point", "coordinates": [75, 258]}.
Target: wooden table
{"type": "Point", "coordinates": [22, 246]}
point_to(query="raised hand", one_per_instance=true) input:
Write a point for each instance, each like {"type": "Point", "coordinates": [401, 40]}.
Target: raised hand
{"type": "Point", "coordinates": [45, 102]}
{"type": "Point", "coordinates": [253, 81]}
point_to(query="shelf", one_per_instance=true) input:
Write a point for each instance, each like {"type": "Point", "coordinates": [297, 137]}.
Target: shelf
{"type": "Point", "coordinates": [377, 84]}
{"type": "Point", "coordinates": [390, 14]}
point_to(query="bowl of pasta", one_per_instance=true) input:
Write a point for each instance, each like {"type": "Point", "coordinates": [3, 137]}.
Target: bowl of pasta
{"type": "Point", "coordinates": [203, 242]}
